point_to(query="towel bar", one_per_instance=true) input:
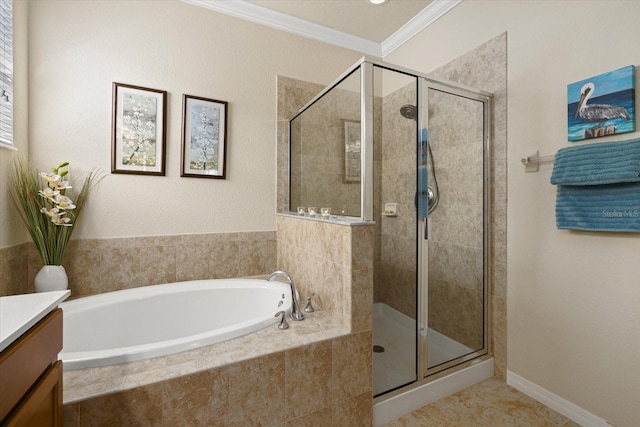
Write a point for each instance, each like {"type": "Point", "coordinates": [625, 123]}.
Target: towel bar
{"type": "Point", "coordinates": [532, 163]}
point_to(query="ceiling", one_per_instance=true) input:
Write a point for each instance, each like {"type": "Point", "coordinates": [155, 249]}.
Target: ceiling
{"type": "Point", "coordinates": [358, 25]}
{"type": "Point", "coordinates": [357, 17]}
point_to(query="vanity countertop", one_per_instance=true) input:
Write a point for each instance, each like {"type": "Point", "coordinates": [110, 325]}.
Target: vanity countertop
{"type": "Point", "coordinates": [18, 313]}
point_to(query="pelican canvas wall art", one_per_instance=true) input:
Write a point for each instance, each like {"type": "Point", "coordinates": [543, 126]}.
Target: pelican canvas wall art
{"type": "Point", "coordinates": [602, 105]}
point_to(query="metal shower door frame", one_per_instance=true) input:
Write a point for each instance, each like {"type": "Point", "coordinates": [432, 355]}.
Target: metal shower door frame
{"type": "Point", "coordinates": [424, 85]}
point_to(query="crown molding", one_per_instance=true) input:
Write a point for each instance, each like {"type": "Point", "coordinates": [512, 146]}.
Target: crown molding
{"type": "Point", "coordinates": [422, 20]}
{"type": "Point", "coordinates": [291, 24]}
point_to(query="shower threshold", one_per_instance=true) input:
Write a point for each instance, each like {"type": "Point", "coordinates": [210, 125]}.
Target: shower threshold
{"type": "Point", "coordinates": [396, 366]}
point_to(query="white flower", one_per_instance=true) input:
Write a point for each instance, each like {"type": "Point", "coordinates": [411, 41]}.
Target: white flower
{"type": "Point", "coordinates": [64, 202]}
{"type": "Point", "coordinates": [53, 212]}
{"type": "Point", "coordinates": [48, 193]}
{"type": "Point", "coordinates": [50, 177]}
{"type": "Point", "coordinates": [61, 185]}
{"type": "Point", "coordinates": [61, 220]}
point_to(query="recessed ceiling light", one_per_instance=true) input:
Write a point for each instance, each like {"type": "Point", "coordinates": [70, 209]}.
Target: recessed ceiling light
{"type": "Point", "coordinates": [377, 1]}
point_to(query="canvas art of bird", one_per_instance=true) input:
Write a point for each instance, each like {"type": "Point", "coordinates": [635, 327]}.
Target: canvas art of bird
{"type": "Point", "coordinates": [597, 113]}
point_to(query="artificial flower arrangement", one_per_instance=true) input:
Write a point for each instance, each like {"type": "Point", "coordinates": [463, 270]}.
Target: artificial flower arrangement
{"type": "Point", "coordinates": [46, 208]}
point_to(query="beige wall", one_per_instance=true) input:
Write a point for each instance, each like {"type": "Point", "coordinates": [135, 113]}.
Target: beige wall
{"type": "Point", "coordinates": [77, 49]}
{"type": "Point", "coordinates": [573, 297]}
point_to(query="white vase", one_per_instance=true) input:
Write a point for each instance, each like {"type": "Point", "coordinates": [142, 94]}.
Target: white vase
{"type": "Point", "coordinates": [51, 278]}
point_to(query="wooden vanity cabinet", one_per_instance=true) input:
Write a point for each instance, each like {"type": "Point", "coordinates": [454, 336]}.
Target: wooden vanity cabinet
{"type": "Point", "coordinates": [31, 376]}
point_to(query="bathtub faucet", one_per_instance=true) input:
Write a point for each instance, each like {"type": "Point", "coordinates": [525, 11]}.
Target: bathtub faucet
{"type": "Point", "coordinates": [296, 313]}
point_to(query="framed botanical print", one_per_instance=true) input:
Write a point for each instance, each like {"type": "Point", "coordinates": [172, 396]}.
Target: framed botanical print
{"type": "Point", "coordinates": [204, 137]}
{"type": "Point", "coordinates": [139, 130]}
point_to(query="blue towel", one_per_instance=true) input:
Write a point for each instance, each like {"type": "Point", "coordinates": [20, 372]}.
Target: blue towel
{"type": "Point", "coordinates": [423, 176]}
{"type": "Point", "coordinates": [611, 207]}
{"type": "Point", "coordinates": [423, 186]}
{"type": "Point", "coordinates": [601, 163]}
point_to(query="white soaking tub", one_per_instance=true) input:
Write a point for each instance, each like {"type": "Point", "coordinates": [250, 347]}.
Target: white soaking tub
{"type": "Point", "coordinates": [150, 321]}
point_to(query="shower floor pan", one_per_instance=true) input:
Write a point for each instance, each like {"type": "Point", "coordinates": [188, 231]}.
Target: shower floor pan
{"type": "Point", "coordinates": [394, 334]}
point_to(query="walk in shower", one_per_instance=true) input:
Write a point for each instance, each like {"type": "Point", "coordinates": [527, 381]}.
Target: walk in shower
{"type": "Point", "coordinates": [410, 153]}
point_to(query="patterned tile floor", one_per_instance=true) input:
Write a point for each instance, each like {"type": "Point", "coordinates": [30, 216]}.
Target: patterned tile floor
{"type": "Point", "coordinates": [488, 403]}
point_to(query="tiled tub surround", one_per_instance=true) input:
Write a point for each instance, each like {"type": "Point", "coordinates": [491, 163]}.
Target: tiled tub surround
{"type": "Point", "coordinates": [333, 261]}
{"type": "Point", "coordinates": [317, 373]}
{"type": "Point", "coordinates": [102, 265]}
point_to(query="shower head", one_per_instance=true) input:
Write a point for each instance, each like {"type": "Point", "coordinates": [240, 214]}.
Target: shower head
{"type": "Point", "coordinates": [409, 111]}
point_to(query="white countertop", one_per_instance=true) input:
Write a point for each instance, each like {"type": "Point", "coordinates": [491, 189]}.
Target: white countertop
{"type": "Point", "coordinates": [18, 313]}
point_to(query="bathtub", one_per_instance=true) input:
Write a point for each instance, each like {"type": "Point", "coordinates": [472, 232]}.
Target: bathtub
{"type": "Point", "coordinates": [150, 321]}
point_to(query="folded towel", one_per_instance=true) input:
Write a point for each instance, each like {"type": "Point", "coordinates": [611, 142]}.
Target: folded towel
{"type": "Point", "coordinates": [601, 163]}
{"type": "Point", "coordinates": [611, 207]}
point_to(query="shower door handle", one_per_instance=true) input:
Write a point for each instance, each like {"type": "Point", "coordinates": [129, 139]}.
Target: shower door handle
{"type": "Point", "coordinates": [426, 229]}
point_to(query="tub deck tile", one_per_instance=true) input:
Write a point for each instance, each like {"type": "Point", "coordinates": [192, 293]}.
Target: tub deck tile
{"type": "Point", "coordinates": [84, 384]}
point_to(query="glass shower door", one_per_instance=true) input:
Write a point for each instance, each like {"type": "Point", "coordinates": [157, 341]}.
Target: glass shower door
{"type": "Point", "coordinates": [395, 266]}
{"type": "Point", "coordinates": [454, 272]}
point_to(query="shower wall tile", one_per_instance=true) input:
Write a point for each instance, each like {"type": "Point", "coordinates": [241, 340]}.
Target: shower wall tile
{"type": "Point", "coordinates": [486, 68]}
{"type": "Point", "coordinates": [462, 307]}
{"type": "Point", "coordinates": [292, 96]}
{"type": "Point", "coordinates": [396, 247]}
{"type": "Point", "coordinates": [102, 265]}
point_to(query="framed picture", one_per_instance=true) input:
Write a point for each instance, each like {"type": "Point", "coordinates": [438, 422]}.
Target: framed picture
{"type": "Point", "coordinates": [603, 105]}
{"type": "Point", "coordinates": [204, 137]}
{"type": "Point", "coordinates": [351, 151]}
{"type": "Point", "coordinates": [139, 131]}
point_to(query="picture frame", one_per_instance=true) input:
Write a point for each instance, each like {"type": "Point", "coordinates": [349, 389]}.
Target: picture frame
{"type": "Point", "coordinates": [602, 105]}
{"type": "Point", "coordinates": [352, 147]}
{"type": "Point", "coordinates": [204, 137]}
{"type": "Point", "coordinates": [138, 130]}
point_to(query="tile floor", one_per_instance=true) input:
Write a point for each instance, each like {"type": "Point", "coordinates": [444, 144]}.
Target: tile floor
{"type": "Point", "coordinates": [488, 403]}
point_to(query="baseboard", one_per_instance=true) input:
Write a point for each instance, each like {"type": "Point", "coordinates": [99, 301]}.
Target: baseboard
{"type": "Point", "coordinates": [555, 402]}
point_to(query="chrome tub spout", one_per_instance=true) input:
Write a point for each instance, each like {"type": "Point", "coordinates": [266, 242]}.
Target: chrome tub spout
{"type": "Point", "coordinates": [296, 313]}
